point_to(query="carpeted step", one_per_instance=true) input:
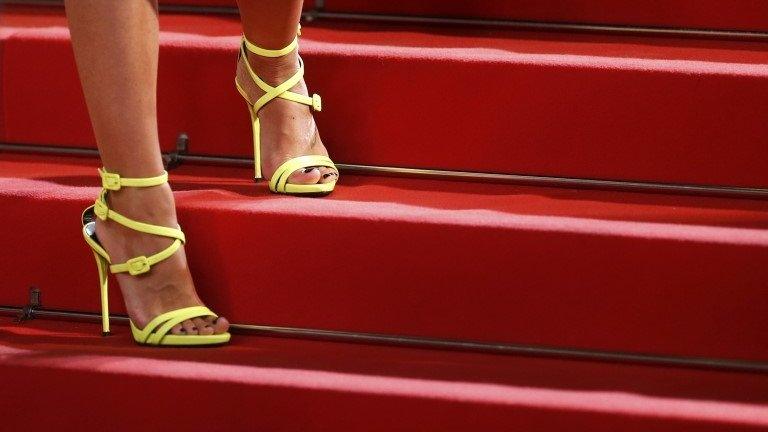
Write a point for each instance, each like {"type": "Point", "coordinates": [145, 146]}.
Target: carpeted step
{"type": "Point", "coordinates": [567, 105]}
{"type": "Point", "coordinates": [199, 3]}
{"type": "Point", "coordinates": [493, 263]}
{"type": "Point", "coordinates": [739, 15]}
{"type": "Point", "coordinates": [749, 15]}
{"type": "Point", "coordinates": [308, 4]}
{"type": "Point", "coordinates": [54, 372]}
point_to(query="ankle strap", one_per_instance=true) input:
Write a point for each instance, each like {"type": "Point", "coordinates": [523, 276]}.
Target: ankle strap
{"type": "Point", "coordinates": [113, 181]}
{"type": "Point", "coordinates": [250, 46]}
{"type": "Point", "coordinates": [140, 264]}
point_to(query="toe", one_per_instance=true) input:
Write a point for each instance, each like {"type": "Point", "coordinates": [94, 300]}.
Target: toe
{"type": "Point", "coordinates": [220, 325]}
{"type": "Point", "coordinates": [203, 327]}
{"type": "Point", "coordinates": [177, 329]}
{"type": "Point", "coordinates": [189, 327]}
{"type": "Point", "coordinates": [305, 176]}
{"type": "Point", "coordinates": [327, 175]}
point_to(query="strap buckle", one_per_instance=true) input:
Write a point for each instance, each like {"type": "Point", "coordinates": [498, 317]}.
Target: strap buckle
{"type": "Point", "coordinates": [110, 181]}
{"type": "Point", "coordinates": [138, 265]}
{"type": "Point", "coordinates": [101, 209]}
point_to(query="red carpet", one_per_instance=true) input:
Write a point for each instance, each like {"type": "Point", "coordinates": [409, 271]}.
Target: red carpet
{"type": "Point", "coordinates": [598, 270]}
{"type": "Point", "coordinates": [226, 3]}
{"type": "Point", "coordinates": [273, 384]}
{"type": "Point", "coordinates": [591, 269]}
{"type": "Point", "coordinates": [707, 14]}
{"type": "Point", "coordinates": [588, 106]}
{"type": "Point", "coordinates": [308, 4]}
{"type": "Point", "coordinates": [745, 15]}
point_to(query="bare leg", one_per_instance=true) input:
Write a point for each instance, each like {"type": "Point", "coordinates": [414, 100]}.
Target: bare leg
{"type": "Point", "coordinates": [270, 24]}
{"type": "Point", "coordinates": [288, 129]}
{"type": "Point", "coordinates": [116, 48]}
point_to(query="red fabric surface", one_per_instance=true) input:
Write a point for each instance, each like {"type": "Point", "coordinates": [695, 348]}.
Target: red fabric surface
{"type": "Point", "coordinates": [590, 269]}
{"type": "Point", "coordinates": [2, 105]}
{"type": "Point", "coordinates": [278, 384]}
{"type": "Point", "coordinates": [708, 14]}
{"type": "Point", "coordinates": [230, 3]}
{"type": "Point", "coordinates": [590, 106]}
{"type": "Point", "coordinates": [4, 33]}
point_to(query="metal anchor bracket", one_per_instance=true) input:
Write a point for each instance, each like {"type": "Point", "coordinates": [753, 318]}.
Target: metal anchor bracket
{"type": "Point", "coordinates": [174, 158]}
{"type": "Point", "coordinates": [28, 312]}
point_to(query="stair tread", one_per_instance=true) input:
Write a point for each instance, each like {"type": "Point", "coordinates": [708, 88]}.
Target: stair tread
{"type": "Point", "coordinates": [576, 105]}
{"type": "Point", "coordinates": [553, 267]}
{"type": "Point", "coordinates": [465, 43]}
{"type": "Point", "coordinates": [378, 198]}
{"type": "Point", "coordinates": [330, 377]}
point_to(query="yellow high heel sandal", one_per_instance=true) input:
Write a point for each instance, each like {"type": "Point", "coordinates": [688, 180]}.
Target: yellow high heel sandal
{"type": "Point", "coordinates": [279, 181]}
{"type": "Point", "coordinates": [156, 332]}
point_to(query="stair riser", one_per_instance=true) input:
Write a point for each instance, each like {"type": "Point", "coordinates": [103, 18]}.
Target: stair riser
{"type": "Point", "coordinates": [266, 407]}
{"type": "Point", "coordinates": [308, 4]}
{"type": "Point", "coordinates": [746, 15]}
{"type": "Point", "coordinates": [566, 116]}
{"type": "Point", "coordinates": [740, 15]}
{"type": "Point", "coordinates": [556, 288]}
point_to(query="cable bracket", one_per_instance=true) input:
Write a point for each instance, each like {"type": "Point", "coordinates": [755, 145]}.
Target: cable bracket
{"type": "Point", "coordinates": [28, 312]}
{"type": "Point", "coordinates": [173, 159]}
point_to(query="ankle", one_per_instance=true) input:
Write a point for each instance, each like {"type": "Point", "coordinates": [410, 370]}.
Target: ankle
{"type": "Point", "coordinates": [154, 204]}
{"type": "Point", "coordinates": [274, 70]}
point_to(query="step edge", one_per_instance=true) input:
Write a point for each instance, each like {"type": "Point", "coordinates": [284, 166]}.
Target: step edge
{"type": "Point", "coordinates": [545, 25]}
{"type": "Point", "coordinates": [318, 12]}
{"type": "Point", "coordinates": [735, 365]}
{"type": "Point", "coordinates": [438, 174]}
{"type": "Point", "coordinates": [732, 69]}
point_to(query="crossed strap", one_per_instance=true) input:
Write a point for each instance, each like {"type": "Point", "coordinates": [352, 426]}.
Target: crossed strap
{"type": "Point", "coordinates": [279, 181]}
{"type": "Point", "coordinates": [140, 264]}
{"type": "Point", "coordinates": [157, 329]}
{"type": "Point", "coordinates": [281, 91]}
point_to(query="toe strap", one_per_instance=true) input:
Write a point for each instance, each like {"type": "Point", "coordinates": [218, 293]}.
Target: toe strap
{"type": "Point", "coordinates": [279, 181]}
{"type": "Point", "coordinates": [155, 331]}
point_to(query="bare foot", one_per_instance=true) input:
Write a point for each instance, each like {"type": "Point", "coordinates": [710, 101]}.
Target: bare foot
{"type": "Point", "coordinates": [288, 129]}
{"type": "Point", "coordinates": [168, 285]}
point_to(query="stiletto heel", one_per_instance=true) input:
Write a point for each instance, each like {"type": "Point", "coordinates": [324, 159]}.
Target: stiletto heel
{"type": "Point", "coordinates": [156, 332]}
{"type": "Point", "coordinates": [101, 264]}
{"type": "Point", "coordinates": [279, 181]}
{"type": "Point", "coordinates": [256, 144]}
